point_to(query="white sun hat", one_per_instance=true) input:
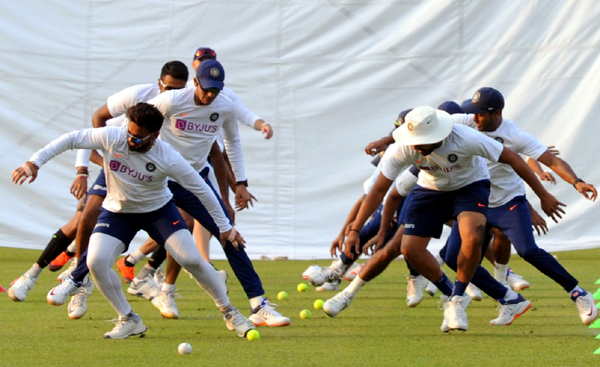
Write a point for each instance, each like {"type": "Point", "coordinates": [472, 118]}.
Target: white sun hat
{"type": "Point", "coordinates": [424, 125]}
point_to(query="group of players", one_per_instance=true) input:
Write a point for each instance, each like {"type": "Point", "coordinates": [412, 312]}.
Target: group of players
{"type": "Point", "coordinates": [457, 168]}
{"type": "Point", "coordinates": [441, 170]}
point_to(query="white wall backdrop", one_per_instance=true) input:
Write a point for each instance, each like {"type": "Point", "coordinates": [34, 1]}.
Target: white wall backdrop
{"type": "Point", "coordinates": [330, 76]}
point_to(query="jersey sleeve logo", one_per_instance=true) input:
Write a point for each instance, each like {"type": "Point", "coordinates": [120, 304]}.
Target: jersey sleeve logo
{"type": "Point", "coordinates": [150, 167]}
{"type": "Point", "coordinates": [410, 126]}
{"type": "Point", "coordinates": [214, 117]}
{"type": "Point", "coordinates": [452, 158]}
{"type": "Point", "coordinates": [499, 140]}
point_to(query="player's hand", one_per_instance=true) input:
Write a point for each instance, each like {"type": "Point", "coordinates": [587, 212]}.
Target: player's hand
{"type": "Point", "coordinates": [234, 237]}
{"type": "Point", "coordinates": [547, 176]}
{"type": "Point", "coordinates": [552, 149]}
{"type": "Point", "coordinates": [585, 188]}
{"type": "Point", "coordinates": [21, 174]}
{"type": "Point", "coordinates": [374, 244]}
{"type": "Point", "coordinates": [337, 245]}
{"type": "Point", "coordinates": [243, 198]}
{"type": "Point", "coordinates": [539, 224]}
{"type": "Point", "coordinates": [552, 207]}
{"type": "Point", "coordinates": [375, 147]}
{"type": "Point", "coordinates": [352, 243]}
{"type": "Point", "coordinates": [267, 130]}
{"type": "Point", "coordinates": [79, 186]}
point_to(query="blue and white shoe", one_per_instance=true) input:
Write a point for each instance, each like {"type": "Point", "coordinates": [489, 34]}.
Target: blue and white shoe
{"type": "Point", "coordinates": [510, 310]}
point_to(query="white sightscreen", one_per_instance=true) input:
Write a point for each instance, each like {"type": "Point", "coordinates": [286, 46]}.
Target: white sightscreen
{"type": "Point", "coordinates": [330, 76]}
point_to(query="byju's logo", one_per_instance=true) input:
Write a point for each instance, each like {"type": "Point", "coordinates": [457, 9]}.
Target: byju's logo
{"type": "Point", "coordinates": [114, 165]}
{"type": "Point", "coordinates": [180, 124]}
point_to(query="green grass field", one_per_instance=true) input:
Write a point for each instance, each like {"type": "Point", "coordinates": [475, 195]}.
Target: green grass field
{"type": "Point", "coordinates": [376, 330]}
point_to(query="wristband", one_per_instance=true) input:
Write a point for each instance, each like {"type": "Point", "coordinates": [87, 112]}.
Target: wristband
{"type": "Point", "coordinates": [245, 183]}
{"type": "Point", "coordinates": [577, 180]}
{"type": "Point", "coordinates": [82, 174]}
{"type": "Point", "coordinates": [355, 230]}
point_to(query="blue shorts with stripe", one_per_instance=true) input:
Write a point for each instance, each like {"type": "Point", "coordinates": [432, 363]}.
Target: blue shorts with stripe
{"type": "Point", "coordinates": [425, 211]}
{"type": "Point", "coordinates": [99, 186]}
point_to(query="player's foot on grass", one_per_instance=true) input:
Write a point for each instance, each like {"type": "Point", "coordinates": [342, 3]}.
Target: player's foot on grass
{"type": "Point", "coordinates": [78, 305]}
{"type": "Point", "coordinates": [586, 306]}
{"type": "Point", "coordinates": [126, 326]}
{"type": "Point", "coordinates": [329, 286]}
{"type": "Point", "coordinates": [414, 289]}
{"type": "Point", "coordinates": [234, 320]}
{"type": "Point", "coordinates": [474, 292]}
{"type": "Point", "coordinates": [145, 288]}
{"type": "Point", "coordinates": [455, 312]}
{"type": "Point", "coordinates": [337, 304]}
{"type": "Point", "coordinates": [516, 281]}
{"type": "Point", "coordinates": [60, 261]}
{"type": "Point", "coordinates": [59, 294]}
{"type": "Point", "coordinates": [19, 288]}
{"type": "Point", "coordinates": [510, 310]}
{"type": "Point", "coordinates": [430, 289]}
{"type": "Point", "coordinates": [328, 274]}
{"type": "Point", "coordinates": [353, 271]}
{"type": "Point", "coordinates": [266, 315]}
{"type": "Point", "coordinates": [165, 303]}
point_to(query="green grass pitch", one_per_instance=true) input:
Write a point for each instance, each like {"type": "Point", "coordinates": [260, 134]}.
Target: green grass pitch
{"type": "Point", "coordinates": [376, 330]}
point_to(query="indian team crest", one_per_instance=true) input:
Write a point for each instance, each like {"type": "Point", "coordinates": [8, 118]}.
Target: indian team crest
{"type": "Point", "coordinates": [150, 167]}
{"type": "Point", "coordinates": [499, 140]}
{"type": "Point", "coordinates": [476, 97]}
{"type": "Point", "coordinates": [214, 117]}
{"type": "Point", "coordinates": [410, 126]}
{"type": "Point", "coordinates": [452, 158]}
{"type": "Point", "coordinates": [215, 72]}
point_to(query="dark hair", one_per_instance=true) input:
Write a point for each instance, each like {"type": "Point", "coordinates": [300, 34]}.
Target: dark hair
{"type": "Point", "coordinates": [175, 69]}
{"type": "Point", "coordinates": [146, 115]}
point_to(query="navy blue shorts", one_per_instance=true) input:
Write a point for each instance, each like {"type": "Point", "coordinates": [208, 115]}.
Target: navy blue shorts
{"type": "Point", "coordinates": [159, 224]}
{"type": "Point", "coordinates": [99, 186]}
{"type": "Point", "coordinates": [425, 211]}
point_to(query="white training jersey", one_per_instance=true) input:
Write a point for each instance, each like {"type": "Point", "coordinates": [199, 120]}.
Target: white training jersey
{"type": "Point", "coordinates": [136, 182]}
{"type": "Point", "coordinates": [191, 129]}
{"type": "Point", "coordinates": [506, 183]}
{"type": "Point", "coordinates": [403, 183]}
{"type": "Point", "coordinates": [118, 104]}
{"type": "Point", "coordinates": [244, 115]}
{"type": "Point", "coordinates": [456, 164]}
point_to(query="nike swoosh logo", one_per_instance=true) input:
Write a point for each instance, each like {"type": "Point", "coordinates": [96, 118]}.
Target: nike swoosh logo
{"type": "Point", "coordinates": [118, 155]}
{"type": "Point", "coordinates": [480, 205]}
{"type": "Point", "coordinates": [421, 161]}
{"type": "Point", "coordinates": [183, 114]}
{"type": "Point", "coordinates": [512, 207]}
{"type": "Point", "coordinates": [175, 223]}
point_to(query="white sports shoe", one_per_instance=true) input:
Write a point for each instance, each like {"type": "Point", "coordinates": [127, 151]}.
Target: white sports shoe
{"type": "Point", "coordinates": [329, 286]}
{"type": "Point", "coordinates": [145, 288]}
{"type": "Point", "coordinates": [159, 277]}
{"type": "Point", "coordinates": [18, 291]}
{"type": "Point", "coordinates": [311, 269]}
{"type": "Point", "coordinates": [473, 291]}
{"type": "Point", "coordinates": [431, 289]}
{"type": "Point", "coordinates": [67, 273]}
{"type": "Point", "coordinates": [586, 307]}
{"type": "Point", "coordinates": [337, 304]}
{"type": "Point", "coordinates": [414, 289]}
{"type": "Point", "coordinates": [455, 312]}
{"type": "Point", "coordinates": [238, 322]}
{"type": "Point", "coordinates": [266, 315]}
{"type": "Point", "coordinates": [516, 281]}
{"type": "Point", "coordinates": [328, 274]}
{"type": "Point", "coordinates": [510, 311]}
{"type": "Point", "coordinates": [165, 303]}
{"type": "Point", "coordinates": [353, 271]}
{"type": "Point", "coordinates": [126, 327]}
{"type": "Point", "coordinates": [59, 294]}
{"type": "Point", "coordinates": [78, 305]}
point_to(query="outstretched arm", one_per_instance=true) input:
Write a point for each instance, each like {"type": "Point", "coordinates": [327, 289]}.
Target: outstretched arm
{"type": "Point", "coordinates": [565, 171]}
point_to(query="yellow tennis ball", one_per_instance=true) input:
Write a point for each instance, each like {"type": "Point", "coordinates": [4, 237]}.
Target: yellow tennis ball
{"type": "Point", "coordinates": [318, 304]}
{"type": "Point", "coordinates": [253, 335]}
{"type": "Point", "coordinates": [305, 314]}
{"type": "Point", "coordinates": [282, 295]}
{"type": "Point", "coordinates": [302, 287]}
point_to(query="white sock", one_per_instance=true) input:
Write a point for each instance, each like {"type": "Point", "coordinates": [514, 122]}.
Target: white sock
{"type": "Point", "coordinates": [135, 257]}
{"type": "Point", "coordinates": [511, 295]}
{"type": "Point", "coordinates": [256, 301]}
{"type": "Point", "coordinates": [72, 247]}
{"type": "Point", "coordinates": [355, 286]}
{"type": "Point", "coordinates": [500, 271]}
{"type": "Point", "coordinates": [35, 271]}
{"type": "Point", "coordinates": [168, 288]}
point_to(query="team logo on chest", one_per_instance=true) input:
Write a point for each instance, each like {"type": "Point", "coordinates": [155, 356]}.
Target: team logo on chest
{"type": "Point", "coordinates": [409, 126]}
{"type": "Point", "coordinates": [499, 140]}
{"type": "Point", "coordinates": [150, 167]}
{"type": "Point", "coordinates": [214, 117]}
{"type": "Point", "coordinates": [452, 158]}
